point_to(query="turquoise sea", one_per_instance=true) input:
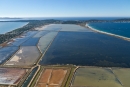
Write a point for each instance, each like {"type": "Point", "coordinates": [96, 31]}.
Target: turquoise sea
{"type": "Point", "coordinates": [122, 29]}
{"type": "Point", "coordinates": [9, 26]}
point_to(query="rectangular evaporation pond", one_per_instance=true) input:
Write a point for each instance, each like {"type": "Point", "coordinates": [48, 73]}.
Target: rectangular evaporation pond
{"type": "Point", "coordinates": [52, 77]}
{"type": "Point", "coordinates": [57, 76]}
{"type": "Point", "coordinates": [11, 76]}
{"type": "Point", "coordinates": [88, 48]}
{"type": "Point", "coordinates": [53, 27]}
{"type": "Point", "coordinates": [46, 40]}
{"type": "Point", "coordinates": [23, 38]}
{"type": "Point", "coordinates": [6, 53]}
{"type": "Point", "coordinates": [26, 56]}
{"type": "Point", "coordinates": [44, 77]}
{"type": "Point", "coordinates": [31, 42]}
{"type": "Point", "coordinates": [40, 34]}
{"type": "Point", "coordinates": [95, 77]}
{"type": "Point", "coordinates": [123, 74]}
{"type": "Point", "coordinates": [42, 27]}
{"type": "Point", "coordinates": [75, 28]}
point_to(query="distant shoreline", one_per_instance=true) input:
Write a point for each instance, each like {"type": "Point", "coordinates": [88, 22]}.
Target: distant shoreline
{"type": "Point", "coordinates": [111, 34]}
{"type": "Point", "coordinates": [26, 23]}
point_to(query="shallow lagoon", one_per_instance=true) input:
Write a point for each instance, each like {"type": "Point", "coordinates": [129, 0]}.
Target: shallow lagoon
{"type": "Point", "coordinates": [85, 48]}
{"type": "Point", "coordinates": [46, 40]}
{"type": "Point", "coordinates": [123, 75]}
{"type": "Point", "coordinates": [31, 42]}
{"type": "Point", "coordinates": [25, 56]}
{"type": "Point", "coordinates": [6, 53]}
{"type": "Point", "coordinates": [66, 27]}
{"type": "Point", "coordinates": [41, 33]}
{"type": "Point", "coordinates": [52, 27]}
{"type": "Point", "coordinates": [95, 77]}
{"type": "Point", "coordinates": [74, 28]}
{"type": "Point", "coordinates": [23, 38]}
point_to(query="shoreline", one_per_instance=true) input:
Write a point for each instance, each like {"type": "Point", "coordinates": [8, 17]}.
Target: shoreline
{"type": "Point", "coordinates": [107, 33]}
{"type": "Point", "coordinates": [6, 43]}
{"type": "Point", "coordinates": [16, 28]}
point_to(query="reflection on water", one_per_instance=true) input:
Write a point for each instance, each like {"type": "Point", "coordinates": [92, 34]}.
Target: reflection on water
{"type": "Point", "coordinates": [26, 83]}
{"type": "Point", "coordinates": [27, 55]}
{"type": "Point", "coordinates": [31, 42]}
{"type": "Point", "coordinates": [46, 40]}
{"type": "Point", "coordinates": [88, 48]}
{"type": "Point", "coordinates": [23, 38]}
{"type": "Point", "coordinates": [41, 33]}
{"type": "Point", "coordinates": [6, 53]}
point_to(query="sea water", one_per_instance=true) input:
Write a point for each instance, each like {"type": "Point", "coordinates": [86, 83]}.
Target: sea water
{"type": "Point", "coordinates": [122, 29]}
{"type": "Point", "coordinates": [9, 26]}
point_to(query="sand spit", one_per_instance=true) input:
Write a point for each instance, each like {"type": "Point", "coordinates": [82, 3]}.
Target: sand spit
{"type": "Point", "coordinates": [103, 32]}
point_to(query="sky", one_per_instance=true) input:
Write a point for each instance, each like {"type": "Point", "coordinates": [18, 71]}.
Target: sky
{"type": "Point", "coordinates": [64, 8]}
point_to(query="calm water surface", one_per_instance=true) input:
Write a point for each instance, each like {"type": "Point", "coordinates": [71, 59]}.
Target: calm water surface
{"type": "Point", "coordinates": [88, 48]}
{"type": "Point", "coordinates": [9, 26]}
{"type": "Point", "coordinates": [122, 29]}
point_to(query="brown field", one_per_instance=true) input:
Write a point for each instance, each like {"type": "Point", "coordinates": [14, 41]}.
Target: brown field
{"type": "Point", "coordinates": [57, 76]}
{"type": "Point", "coordinates": [45, 76]}
{"type": "Point", "coordinates": [11, 75]}
{"type": "Point", "coordinates": [51, 78]}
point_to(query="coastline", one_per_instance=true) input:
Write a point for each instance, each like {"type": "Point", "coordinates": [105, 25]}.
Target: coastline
{"type": "Point", "coordinates": [103, 32]}
{"type": "Point", "coordinates": [6, 43]}
{"type": "Point", "coordinates": [16, 28]}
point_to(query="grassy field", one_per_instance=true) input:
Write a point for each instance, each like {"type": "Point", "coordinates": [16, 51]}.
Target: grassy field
{"type": "Point", "coordinates": [95, 77]}
{"type": "Point", "coordinates": [123, 75]}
